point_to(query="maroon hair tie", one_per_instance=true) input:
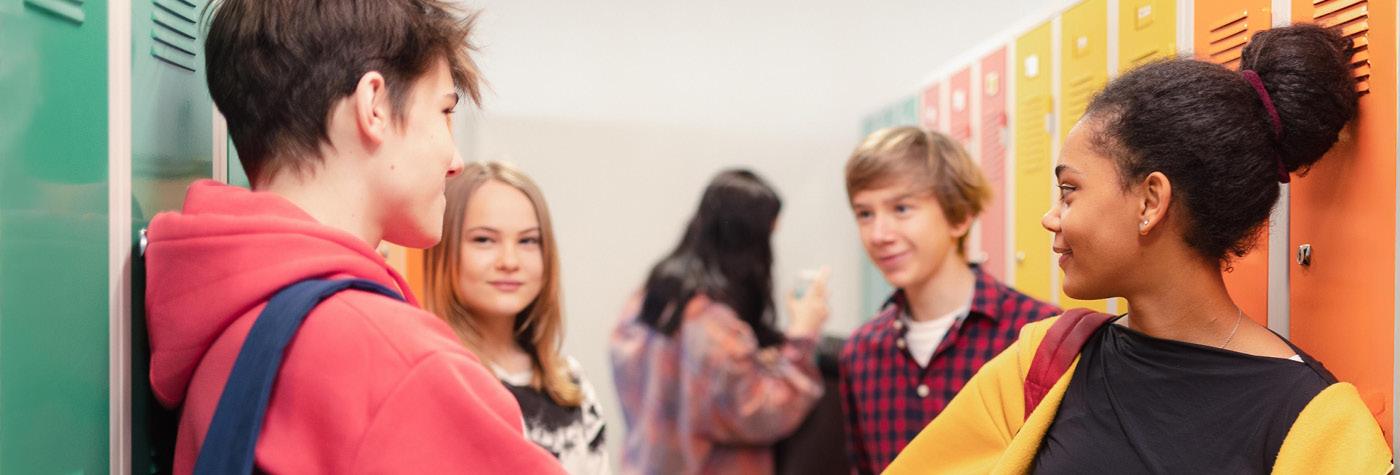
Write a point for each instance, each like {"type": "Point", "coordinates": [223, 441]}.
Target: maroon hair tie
{"type": "Point", "coordinates": [1253, 78]}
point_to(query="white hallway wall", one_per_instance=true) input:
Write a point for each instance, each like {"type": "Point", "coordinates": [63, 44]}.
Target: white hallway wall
{"type": "Point", "coordinates": [623, 109]}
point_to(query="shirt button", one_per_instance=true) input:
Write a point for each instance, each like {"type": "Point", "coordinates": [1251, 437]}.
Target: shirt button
{"type": "Point", "coordinates": [899, 343]}
{"type": "Point", "coordinates": [898, 325]}
{"type": "Point", "coordinates": [922, 390]}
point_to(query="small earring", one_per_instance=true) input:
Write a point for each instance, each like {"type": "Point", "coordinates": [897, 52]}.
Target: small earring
{"type": "Point", "coordinates": [1144, 222]}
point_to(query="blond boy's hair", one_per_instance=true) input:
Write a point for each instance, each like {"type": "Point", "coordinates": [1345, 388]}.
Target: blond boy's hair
{"type": "Point", "coordinates": [930, 161]}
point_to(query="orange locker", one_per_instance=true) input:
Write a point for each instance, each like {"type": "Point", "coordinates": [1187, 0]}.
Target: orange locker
{"type": "Point", "coordinates": [1344, 211]}
{"type": "Point", "coordinates": [1222, 28]}
{"type": "Point", "coordinates": [408, 262]}
{"type": "Point", "coordinates": [413, 272]}
{"type": "Point", "coordinates": [992, 136]}
{"type": "Point", "coordinates": [930, 107]}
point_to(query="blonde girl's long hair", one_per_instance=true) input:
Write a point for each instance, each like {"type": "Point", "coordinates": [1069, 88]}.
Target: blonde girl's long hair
{"type": "Point", "coordinates": [539, 328]}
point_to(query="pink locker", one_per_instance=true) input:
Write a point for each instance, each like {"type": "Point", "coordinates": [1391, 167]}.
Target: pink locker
{"type": "Point", "coordinates": [992, 138]}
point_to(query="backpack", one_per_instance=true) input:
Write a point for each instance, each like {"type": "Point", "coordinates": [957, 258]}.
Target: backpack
{"type": "Point", "coordinates": [229, 444]}
{"type": "Point", "coordinates": [1058, 350]}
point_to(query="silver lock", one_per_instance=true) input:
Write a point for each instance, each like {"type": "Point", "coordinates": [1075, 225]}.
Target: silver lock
{"type": "Point", "coordinates": [1305, 255]}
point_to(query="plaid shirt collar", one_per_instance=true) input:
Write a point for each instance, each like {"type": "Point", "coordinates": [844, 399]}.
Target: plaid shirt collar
{"type": "Point", "coordinates": [984, 292]}
{"type": "Point", "coordinates": [890, 397]}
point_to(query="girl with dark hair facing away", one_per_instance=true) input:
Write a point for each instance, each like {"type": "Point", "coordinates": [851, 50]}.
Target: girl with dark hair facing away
{"type": "Point", "coordinates": [1169, 175]}
{"type": "Point", "coordinates": [706, 380]}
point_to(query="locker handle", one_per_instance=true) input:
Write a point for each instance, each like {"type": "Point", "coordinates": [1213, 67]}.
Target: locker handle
{"type": "Point", "coordinates": [1305, 255]}
{"type": "Point", "coordinates": [981, 258]}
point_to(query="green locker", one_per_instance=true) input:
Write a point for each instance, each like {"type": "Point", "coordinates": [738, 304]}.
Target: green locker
{"type": "Point", "coordinates": [53, 237]}
{"type": "Point", "coordinates": [236, 176]}
{"type": "Point", "coordinates": [873, 287]}
{"type": "Point", "coordinates": [172, 145]}
{"type": "Point", "coordinates": [172, 117]}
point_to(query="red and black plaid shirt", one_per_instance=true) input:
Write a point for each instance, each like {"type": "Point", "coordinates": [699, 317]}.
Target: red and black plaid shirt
{"type": "Point", "coordinates": [888, 398]}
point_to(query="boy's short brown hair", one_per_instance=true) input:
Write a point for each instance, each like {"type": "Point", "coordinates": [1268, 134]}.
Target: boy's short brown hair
{"type": "Point", "coordinates": [275, 67]}
{"type": "Point", "coordinates": [931, 162]}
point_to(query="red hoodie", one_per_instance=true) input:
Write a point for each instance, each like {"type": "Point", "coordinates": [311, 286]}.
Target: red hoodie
{"type": "Point", "coordinates": [368, 385]}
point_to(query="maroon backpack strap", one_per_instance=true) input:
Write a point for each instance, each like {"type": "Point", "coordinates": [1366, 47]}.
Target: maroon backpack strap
{"type": "Point", "coordinates": [1058, 350]}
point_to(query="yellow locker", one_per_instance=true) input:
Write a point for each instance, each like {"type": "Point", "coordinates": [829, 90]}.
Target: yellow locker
{"type": "Point", "coordinates": [1083, 72]}
{"type": "Point", "coordinates": [1146, 32]}
{"type": "Point", "coordinates": [1034, 131]}
{"type": "Point", "coordinates": [1083, 59]}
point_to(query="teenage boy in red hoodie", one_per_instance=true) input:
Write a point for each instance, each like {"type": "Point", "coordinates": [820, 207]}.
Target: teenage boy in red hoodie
{"type": "Point", "coordinates": [915, 194]}
{"type": "Point", "coordinates": [341, 112]}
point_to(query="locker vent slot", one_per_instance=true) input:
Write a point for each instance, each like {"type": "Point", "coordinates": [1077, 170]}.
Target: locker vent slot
{"type": "Point", "coordinates": [992, 126]}
{"type": "Point", "coordinates": [994, 146]}
{"type": "Point", "coordinates": [1353, 18]}
{"type": "Point", "coordinates": [1145, 57]}
{"type": "Point", "coordinates": [1033, 121]}
{"type": "Point", "coordinates": [1077, 96]}
{"type": "Point", "coordinates": [175, 34]}
{"type": "Point", "coordinates": [1227, 38]}
{"type": "Point", "coordinates": [69, 10]}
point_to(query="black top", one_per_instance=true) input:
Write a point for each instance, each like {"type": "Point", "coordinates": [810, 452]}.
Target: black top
{"type": "Point", "coordinates": [1138, 404]}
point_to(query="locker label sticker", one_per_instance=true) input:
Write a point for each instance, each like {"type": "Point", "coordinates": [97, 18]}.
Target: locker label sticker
{"type": "Point", "coordinates": [1144, 16]}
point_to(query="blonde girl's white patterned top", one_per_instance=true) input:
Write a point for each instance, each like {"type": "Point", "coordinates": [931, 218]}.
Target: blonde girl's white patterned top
{"type": "Point", "coordinates": [574, 435]}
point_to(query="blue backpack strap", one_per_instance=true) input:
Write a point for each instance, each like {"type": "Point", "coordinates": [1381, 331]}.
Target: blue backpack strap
{"type": "Point", "coordinates": [233, 433]}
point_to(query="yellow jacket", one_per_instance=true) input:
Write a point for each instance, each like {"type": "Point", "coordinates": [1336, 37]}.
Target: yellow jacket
{"type": "Point", "coordinates": [981, 430]}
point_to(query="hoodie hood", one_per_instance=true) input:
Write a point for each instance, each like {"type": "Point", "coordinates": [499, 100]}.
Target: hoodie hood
{"type": "Point", "coordinates": [226, 253]}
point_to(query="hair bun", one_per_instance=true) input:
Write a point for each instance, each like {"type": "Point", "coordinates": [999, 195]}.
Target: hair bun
{"type": "Point", "coordinates": [1307, 71]}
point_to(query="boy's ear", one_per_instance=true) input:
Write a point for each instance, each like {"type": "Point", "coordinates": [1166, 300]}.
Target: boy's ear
{"type": "Point", "coordinates": [959, 230]}
{"type": "Point", "coordinates": [371, 105]}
